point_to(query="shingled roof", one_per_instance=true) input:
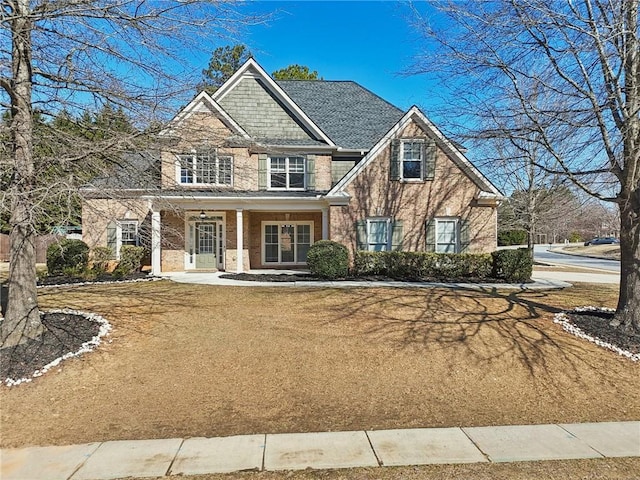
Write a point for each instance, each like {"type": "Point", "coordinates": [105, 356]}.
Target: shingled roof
{"type": "Point", "coordinates": [350, 115]}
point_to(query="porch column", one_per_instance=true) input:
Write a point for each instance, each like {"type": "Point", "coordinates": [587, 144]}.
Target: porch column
{"type": "Point", "coordinates": [325, 223]}
{"type": "Point", "coordinates": [239, 244]}
{"type": "Point", "coordinates": [155, 243]}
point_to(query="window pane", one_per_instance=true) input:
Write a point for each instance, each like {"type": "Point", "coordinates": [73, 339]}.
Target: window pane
{"type": "Point", "coordinates": [278, 180]}
{"type": "Point", "coordinates": [186, 169]}
{"type": "Point", "coordinates": [271, 243]}
{"type": "Point", "coordinates": [378, 231]}
{"type": "Point", "coordinates": [224, 170]}
{"type": "Point", "coordinates": [205, 169]}
{"type": "Point", "coordinates": [412, 160]}
{"type": "Point", "coordinates": [446, 231]}
{"type": "Point", "coordinates": [303, 238]}
{"type": "Point", "coordinates": [287, 240]}
{"type": "Point", "coordinates": [278, 164]}
{"type": "Point", "coordinates": [129, 233]}
{"type": "Point", "coordinates": [296, 165]}
{"type": "Point", "coordinates": [411, 169]}
{"type": "Point", "coordinates": [296, 180]}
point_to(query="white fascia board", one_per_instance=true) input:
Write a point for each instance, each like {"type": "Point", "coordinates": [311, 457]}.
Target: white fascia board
{"type": "Point", "coordinates": [203, 99]}
{"type": "Point", "coordinates": [201, 202]}
{"type": "Point", "coordinates": [252, 67]}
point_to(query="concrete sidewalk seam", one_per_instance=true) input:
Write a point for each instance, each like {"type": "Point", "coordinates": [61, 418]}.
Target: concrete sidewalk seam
{"type": "Point", "coordinates": [375, 454]}
{"type": "Point", "coordinates": [166, 474]}
{"type": "Point", "coordinates": [476, 445]}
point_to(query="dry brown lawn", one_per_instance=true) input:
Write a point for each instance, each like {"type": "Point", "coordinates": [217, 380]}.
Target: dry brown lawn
{"type": "Point", "coordinates": [189, 360]}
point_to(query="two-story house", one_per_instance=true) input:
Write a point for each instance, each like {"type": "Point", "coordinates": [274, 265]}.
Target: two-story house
{"type": "Point", "coordinates": [252, 175]}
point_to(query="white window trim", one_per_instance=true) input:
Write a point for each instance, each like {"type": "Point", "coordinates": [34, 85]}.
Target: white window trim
{"type": "Point", "coordinates": [404, 141]}
{"type": "Point", "coordinates": [191, 218]}
{"type": "Point", "coordinates": [280, 223]}
{"type": "Point", "coordinates": [119, 243]}
{"type": "Point", "coordinates": [287, 173]}
{"type": "Point", "coordinates": [389, 222]}
{"type": "Point", "coordinates": [194, 156]}
{"type": "Point", "coordinates": [438, 221]}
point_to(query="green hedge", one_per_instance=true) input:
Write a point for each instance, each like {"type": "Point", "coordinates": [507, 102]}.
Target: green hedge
{"type": "Point", "coordinates": [328, 259]}
{"type": "Point", "coordinates": [417, 265]}
{"type": "Point", "coordinates": [67, 257]}
{"type": "Point", "coordinates": [130, 260]}
{"type": "Point", "coordinates": [513, 265]}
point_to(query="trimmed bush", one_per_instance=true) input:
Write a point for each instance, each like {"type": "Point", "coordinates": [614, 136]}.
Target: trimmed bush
{"type": "Point", "coordinates": [130, 260]}
{"type": "Point", "coordinates": [67, 257]}
{"type": "Point", "coordinates": [328, 259]}
{"type": "Point", "coordinates": [513, 265]}
{"type": "Point", "coordinates": [101, 257]}
{"type": "Point", "coordinates": [512, 237]}
{"type": "Point", "coordinates": [419, 265]}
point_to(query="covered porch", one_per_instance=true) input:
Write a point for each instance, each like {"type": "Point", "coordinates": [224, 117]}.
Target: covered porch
{"type": "Point", "coordinates": [210, 233]}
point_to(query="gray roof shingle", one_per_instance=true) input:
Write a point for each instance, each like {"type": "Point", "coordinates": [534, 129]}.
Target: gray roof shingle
{"type": "Point", "coordinates": [349, 114]}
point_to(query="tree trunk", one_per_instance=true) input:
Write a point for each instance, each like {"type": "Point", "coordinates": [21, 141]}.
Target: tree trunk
{"type": "Point", "coordinates": [628, 310]}
{"type": "Point", "coordinates": [22, 318]}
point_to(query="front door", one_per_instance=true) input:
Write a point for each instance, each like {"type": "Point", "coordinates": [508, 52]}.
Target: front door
{"type": "Point", "coordinates": [207, 239]}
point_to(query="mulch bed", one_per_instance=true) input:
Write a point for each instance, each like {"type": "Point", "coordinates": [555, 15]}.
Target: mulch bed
{"type": "Point", "coordinates": [63, 333]}
{"type": "Point", "coordinates": [308, 277]}
{"type": "Point", "coordinates": [103, 278]}
{"type": "Point", "coordinates": [596, 324]}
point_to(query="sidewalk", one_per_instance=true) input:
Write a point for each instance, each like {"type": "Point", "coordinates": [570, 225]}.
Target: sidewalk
{"type": "Point", "coordinates": [325, 450]}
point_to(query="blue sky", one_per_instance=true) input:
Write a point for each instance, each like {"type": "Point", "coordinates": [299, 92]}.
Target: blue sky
{"type": "Point", "coordinates": [370, 42]}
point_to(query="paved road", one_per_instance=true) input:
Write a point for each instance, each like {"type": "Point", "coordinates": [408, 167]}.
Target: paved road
{"type": "Point", "coordinates": [541, 253]}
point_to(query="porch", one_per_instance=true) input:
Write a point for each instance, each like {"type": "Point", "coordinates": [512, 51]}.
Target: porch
{"type": "Point", "coordinates": [211, 237]}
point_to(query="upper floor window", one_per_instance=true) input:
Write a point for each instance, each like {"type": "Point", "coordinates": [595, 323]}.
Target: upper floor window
{"type": "Point", "coordinates": [205, 169]}
{"type": "Point", "coordinates": [412, 159]}
{"type": "Point", "coordinates": [412, 164]}
{"type": "Point", "coordinates": [287, 173]}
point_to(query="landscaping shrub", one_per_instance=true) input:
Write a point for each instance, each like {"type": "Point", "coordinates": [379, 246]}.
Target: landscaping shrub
{"type": "Point", "coordinates": [513, 265]}
{"type": "Point", "coordinates": [512, 237]}
{"type": "Point", "coordinates": [130, 260]}
{"type": "Point", "coordinates": [575, 237]}
{"type": "Point", "coordinates": [67, 257]}
{"type": "Point", "coordinates": [418, 265]}
{"type": "Point", "coordinates": [101, 257]}
{"type": "Point", "coordinates": [328, 259]}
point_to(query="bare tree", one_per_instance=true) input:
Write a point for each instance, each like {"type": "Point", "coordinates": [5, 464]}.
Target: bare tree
{"type": "Point", "coordinates": [565, 75]}
{"type": "Point", "coordinates": [78, 55]}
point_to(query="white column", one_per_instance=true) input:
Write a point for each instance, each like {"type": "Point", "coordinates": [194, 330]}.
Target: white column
{"type": "Point", "coordinates": [155, 243]}
{"type": "Point", "coordinates": [239, 243]}
{"type": "Point", "coordinates": [325, 223]}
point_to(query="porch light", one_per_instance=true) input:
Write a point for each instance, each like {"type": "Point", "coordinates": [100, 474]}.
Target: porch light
{"type": "Point", "coordinates": [202, 215]}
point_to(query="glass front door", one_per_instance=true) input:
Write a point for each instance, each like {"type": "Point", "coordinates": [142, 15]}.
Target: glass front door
{"type": "Point", "coordinates": [207, 240]}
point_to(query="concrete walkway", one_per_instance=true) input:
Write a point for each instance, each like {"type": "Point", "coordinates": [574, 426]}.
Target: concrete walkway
{"type": "Point", "coordinates": [325, 450]}
{"type": "Point", "coordinates": [541, 282]}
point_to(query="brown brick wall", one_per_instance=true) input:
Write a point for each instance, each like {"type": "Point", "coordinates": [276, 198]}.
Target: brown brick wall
{"type": "Point", "coordinates": [97, 213]}
{"type": "Point", "coordinates": [450, 194]}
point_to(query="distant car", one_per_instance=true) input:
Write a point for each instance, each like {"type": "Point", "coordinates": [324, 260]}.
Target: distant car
{"type": "Point", "coordinates": [601, 241]}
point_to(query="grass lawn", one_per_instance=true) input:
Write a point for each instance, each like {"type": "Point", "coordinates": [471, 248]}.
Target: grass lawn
{"type": "Point", "coordinates": [189, 360]}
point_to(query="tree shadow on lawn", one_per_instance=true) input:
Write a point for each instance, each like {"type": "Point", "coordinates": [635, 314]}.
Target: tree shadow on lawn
{"type": "Point", "coordinates": [477, 326]}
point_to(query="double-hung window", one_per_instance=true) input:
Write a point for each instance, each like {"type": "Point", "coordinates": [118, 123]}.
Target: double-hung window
{"type": "Point", "coordinates": [447, 235]}
{"type": "Point", "coordinates": [287, 173]}
{"type": "Point", "coordinates": [122, 232]}
{"type": "Point", "coordinates": [205, 169]}
{"type": "Point", "coordinates": [412, 159]}
{"type": "Point", "coordinates": [378, 234]}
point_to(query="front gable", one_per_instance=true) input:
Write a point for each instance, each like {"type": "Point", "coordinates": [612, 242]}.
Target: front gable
{"type": "Point", "coordinates": [265, 111]}
{"type": "Point", "coordinates": [387, 156]}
